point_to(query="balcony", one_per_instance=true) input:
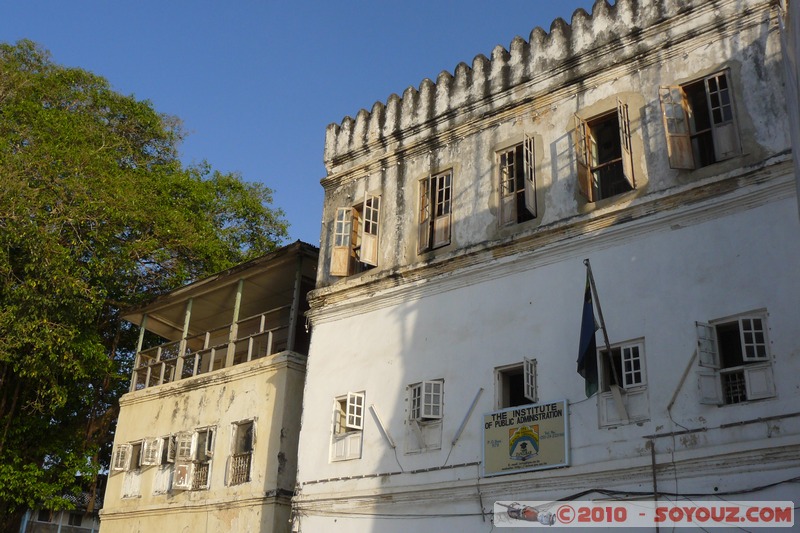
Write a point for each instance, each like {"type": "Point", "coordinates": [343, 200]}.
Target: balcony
{"type": "Point", "coordinates": [197, 339]}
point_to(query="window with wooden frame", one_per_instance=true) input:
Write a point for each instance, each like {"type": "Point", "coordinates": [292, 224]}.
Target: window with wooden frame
{"type": "Point", "coordinates": [604, 154]}
{"type": "Point", "coordinates": [242, 452]}
{"type": "Point", "coordinates": [736, 354]}
{"type": "Point", "coordinates": [435, 211]}
{"type": "Point", "coordinates": [517, 183]}
{"type": "Point", "coordinates": [127, 457]}
{"type": "Point", "coordinates": [355, 237]}
{"type": "Point", "coordinates": [700, 122]}
{"type": "Point", "coordinates": [194, 451]}
{"type": "Point", "coordinates": [348, 425]}
{"type": "Point", "coordinates": [427, 400]}
{"type": "Point", "coordinates": [623, 397]}
{"type": "Point", "coordinates": [151, 451]}
{"type": "Point", "coordinates": [516, 384]}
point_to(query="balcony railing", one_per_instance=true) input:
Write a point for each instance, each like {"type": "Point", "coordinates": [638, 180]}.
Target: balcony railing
{"type": "Point", "coordinates": [254, 337]}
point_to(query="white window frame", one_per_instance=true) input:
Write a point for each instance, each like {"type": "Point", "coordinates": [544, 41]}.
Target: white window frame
{"type": "Point", "coordinates": [189, 457]}
{"type": "Point", "coordinates": [348, 426]}
{"type": "Point", "coordinates": [628, 374]}
{"type": "Point", "coordinates": [626, 402]}
{"type": "Point", "coordinates": [530, 389]}
{"type": "Point", "coordinates": [756, 368]}
{"type": "Point", "coordinates": [427, 400]}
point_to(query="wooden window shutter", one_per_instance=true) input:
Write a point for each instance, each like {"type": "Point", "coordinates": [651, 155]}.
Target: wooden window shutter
{"type": "Point", "coordinates": [151, 452]}
{"type": "Point", "coordinates": [759, 382]}
{"type": "Point", "coordinates": [442, 209]}
{"type": "Point", "coordinates": [707, 352]}
{"type": "Point", "coordinates": [370, 229]}
{"type": "Point", "coordinates": [184, 473]}
{"type": "Point", "coordinates": [340, 255]}
{"type": "Point", "coordinates": [425, 208]}
{"type": "Point", "coordinates": [582, 158]}
{"type": "Point", "coordinates": [529, 164]}
{"type": "Point", "coordinates": [723, 122]}
{"type": "Point", "coordinates": [508, 197]}
{"type": "Point", "coordinates": [625, 143]}
{"type": "Point", "coordinates": [121, 457]}
{"type": "Point", "coordinates": [709, 387]}
{"type": "Point", "coordinates": [676, 127]}
{"type": "Point", "coordinates": [529, 379]}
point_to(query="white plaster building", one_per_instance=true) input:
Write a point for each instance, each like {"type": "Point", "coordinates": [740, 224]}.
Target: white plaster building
{"type": "Point", "coordinates": [207, 437]}
{"type": "Point", "coordinates": [651, 138]}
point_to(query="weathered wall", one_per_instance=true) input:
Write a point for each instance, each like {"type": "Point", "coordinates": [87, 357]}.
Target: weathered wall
{"type": "Point", "coordinates": [684, 246]}
{"type": "Point", "coordinates": [626, 51]}
{"type": "Point", "coordinates": [269, 390]}
{"type": "Point", "coordinates": [654, 282]}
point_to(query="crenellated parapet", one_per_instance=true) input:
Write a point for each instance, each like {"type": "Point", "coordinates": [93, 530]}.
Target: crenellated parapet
{"type": "Point", "coordinates": [522, 62]}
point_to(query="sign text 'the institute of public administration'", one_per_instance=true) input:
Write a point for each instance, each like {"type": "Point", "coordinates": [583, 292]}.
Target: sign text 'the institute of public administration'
{"type": "Point", "coordinates": [529, 437]}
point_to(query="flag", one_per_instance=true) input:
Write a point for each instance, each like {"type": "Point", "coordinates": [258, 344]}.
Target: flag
{"type": "Point", "coordinates": [587, 351]}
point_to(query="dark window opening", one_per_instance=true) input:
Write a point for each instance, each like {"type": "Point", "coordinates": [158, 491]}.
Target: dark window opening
{"type": "Point", "coordinates": [606, 150]}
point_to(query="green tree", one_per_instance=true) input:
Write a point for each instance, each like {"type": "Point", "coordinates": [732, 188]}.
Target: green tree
{"type": "Point", "coordinates": [96, 213]}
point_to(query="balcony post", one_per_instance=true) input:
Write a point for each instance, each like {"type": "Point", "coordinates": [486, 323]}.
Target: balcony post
{"type": "Point", "coordinates": [295, 310]}
{"type": "Point", "coordinates": [182, 349]}
{"type": "Point", "coordinates": [234, 325]}
{"type": "Point", "coordinates": [137, 358]}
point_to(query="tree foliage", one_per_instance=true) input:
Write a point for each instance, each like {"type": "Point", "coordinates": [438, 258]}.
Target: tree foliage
{"type": "Point", "coordinates": [96, 213]}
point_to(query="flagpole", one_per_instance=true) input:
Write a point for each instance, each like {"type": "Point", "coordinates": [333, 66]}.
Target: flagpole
{"type": "Point", "coordinates": [596, 300]}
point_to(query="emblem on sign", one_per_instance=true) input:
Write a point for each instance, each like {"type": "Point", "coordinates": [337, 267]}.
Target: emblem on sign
{"type": "Point", "coordinates": [523, 442]}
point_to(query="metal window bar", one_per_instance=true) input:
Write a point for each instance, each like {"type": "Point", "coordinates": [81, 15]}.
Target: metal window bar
{"type": "Point", "coordinates": [240, 468]}
{"type": "Point", "coordinates": [200, 479]}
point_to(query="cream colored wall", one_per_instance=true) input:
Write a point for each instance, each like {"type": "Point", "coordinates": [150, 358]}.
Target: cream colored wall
{"type": "Point", "coordinates": [269, 391]}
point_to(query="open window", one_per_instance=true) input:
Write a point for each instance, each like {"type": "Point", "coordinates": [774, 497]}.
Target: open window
{"type": "Point", "coordinates": [735, 354]}
{"type": "Point", "coordinates": [623, 395]}
{"type": "Point", "coordinates": [194, 452]}
{"type": "Point", "coordinates": [516, 384]}
{"type": "Point", "coordinates": [348, 424]}
{"type": "Point", "coordinates": [426, 400]}
{"type": "Point", "coordinates": [356, 236]}
{"type": "Point", "coordinates": [435, 211]}
{"type": "Point", "coordinates": [151, 452]}
{"type": "Point", "coordinates": [517, 182]}
{"type": "Point", "coordinates": [604, 154]}
{"type": "Point", "coordinates": [700, 122]}
{"type": "Point", "coordinates": [425, 415]}
{"type": "Point", "coordinates": [242, 452]}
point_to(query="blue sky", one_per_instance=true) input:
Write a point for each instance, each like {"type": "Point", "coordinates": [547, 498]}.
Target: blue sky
{"type": "Point", "coordinates": [257, 82]}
